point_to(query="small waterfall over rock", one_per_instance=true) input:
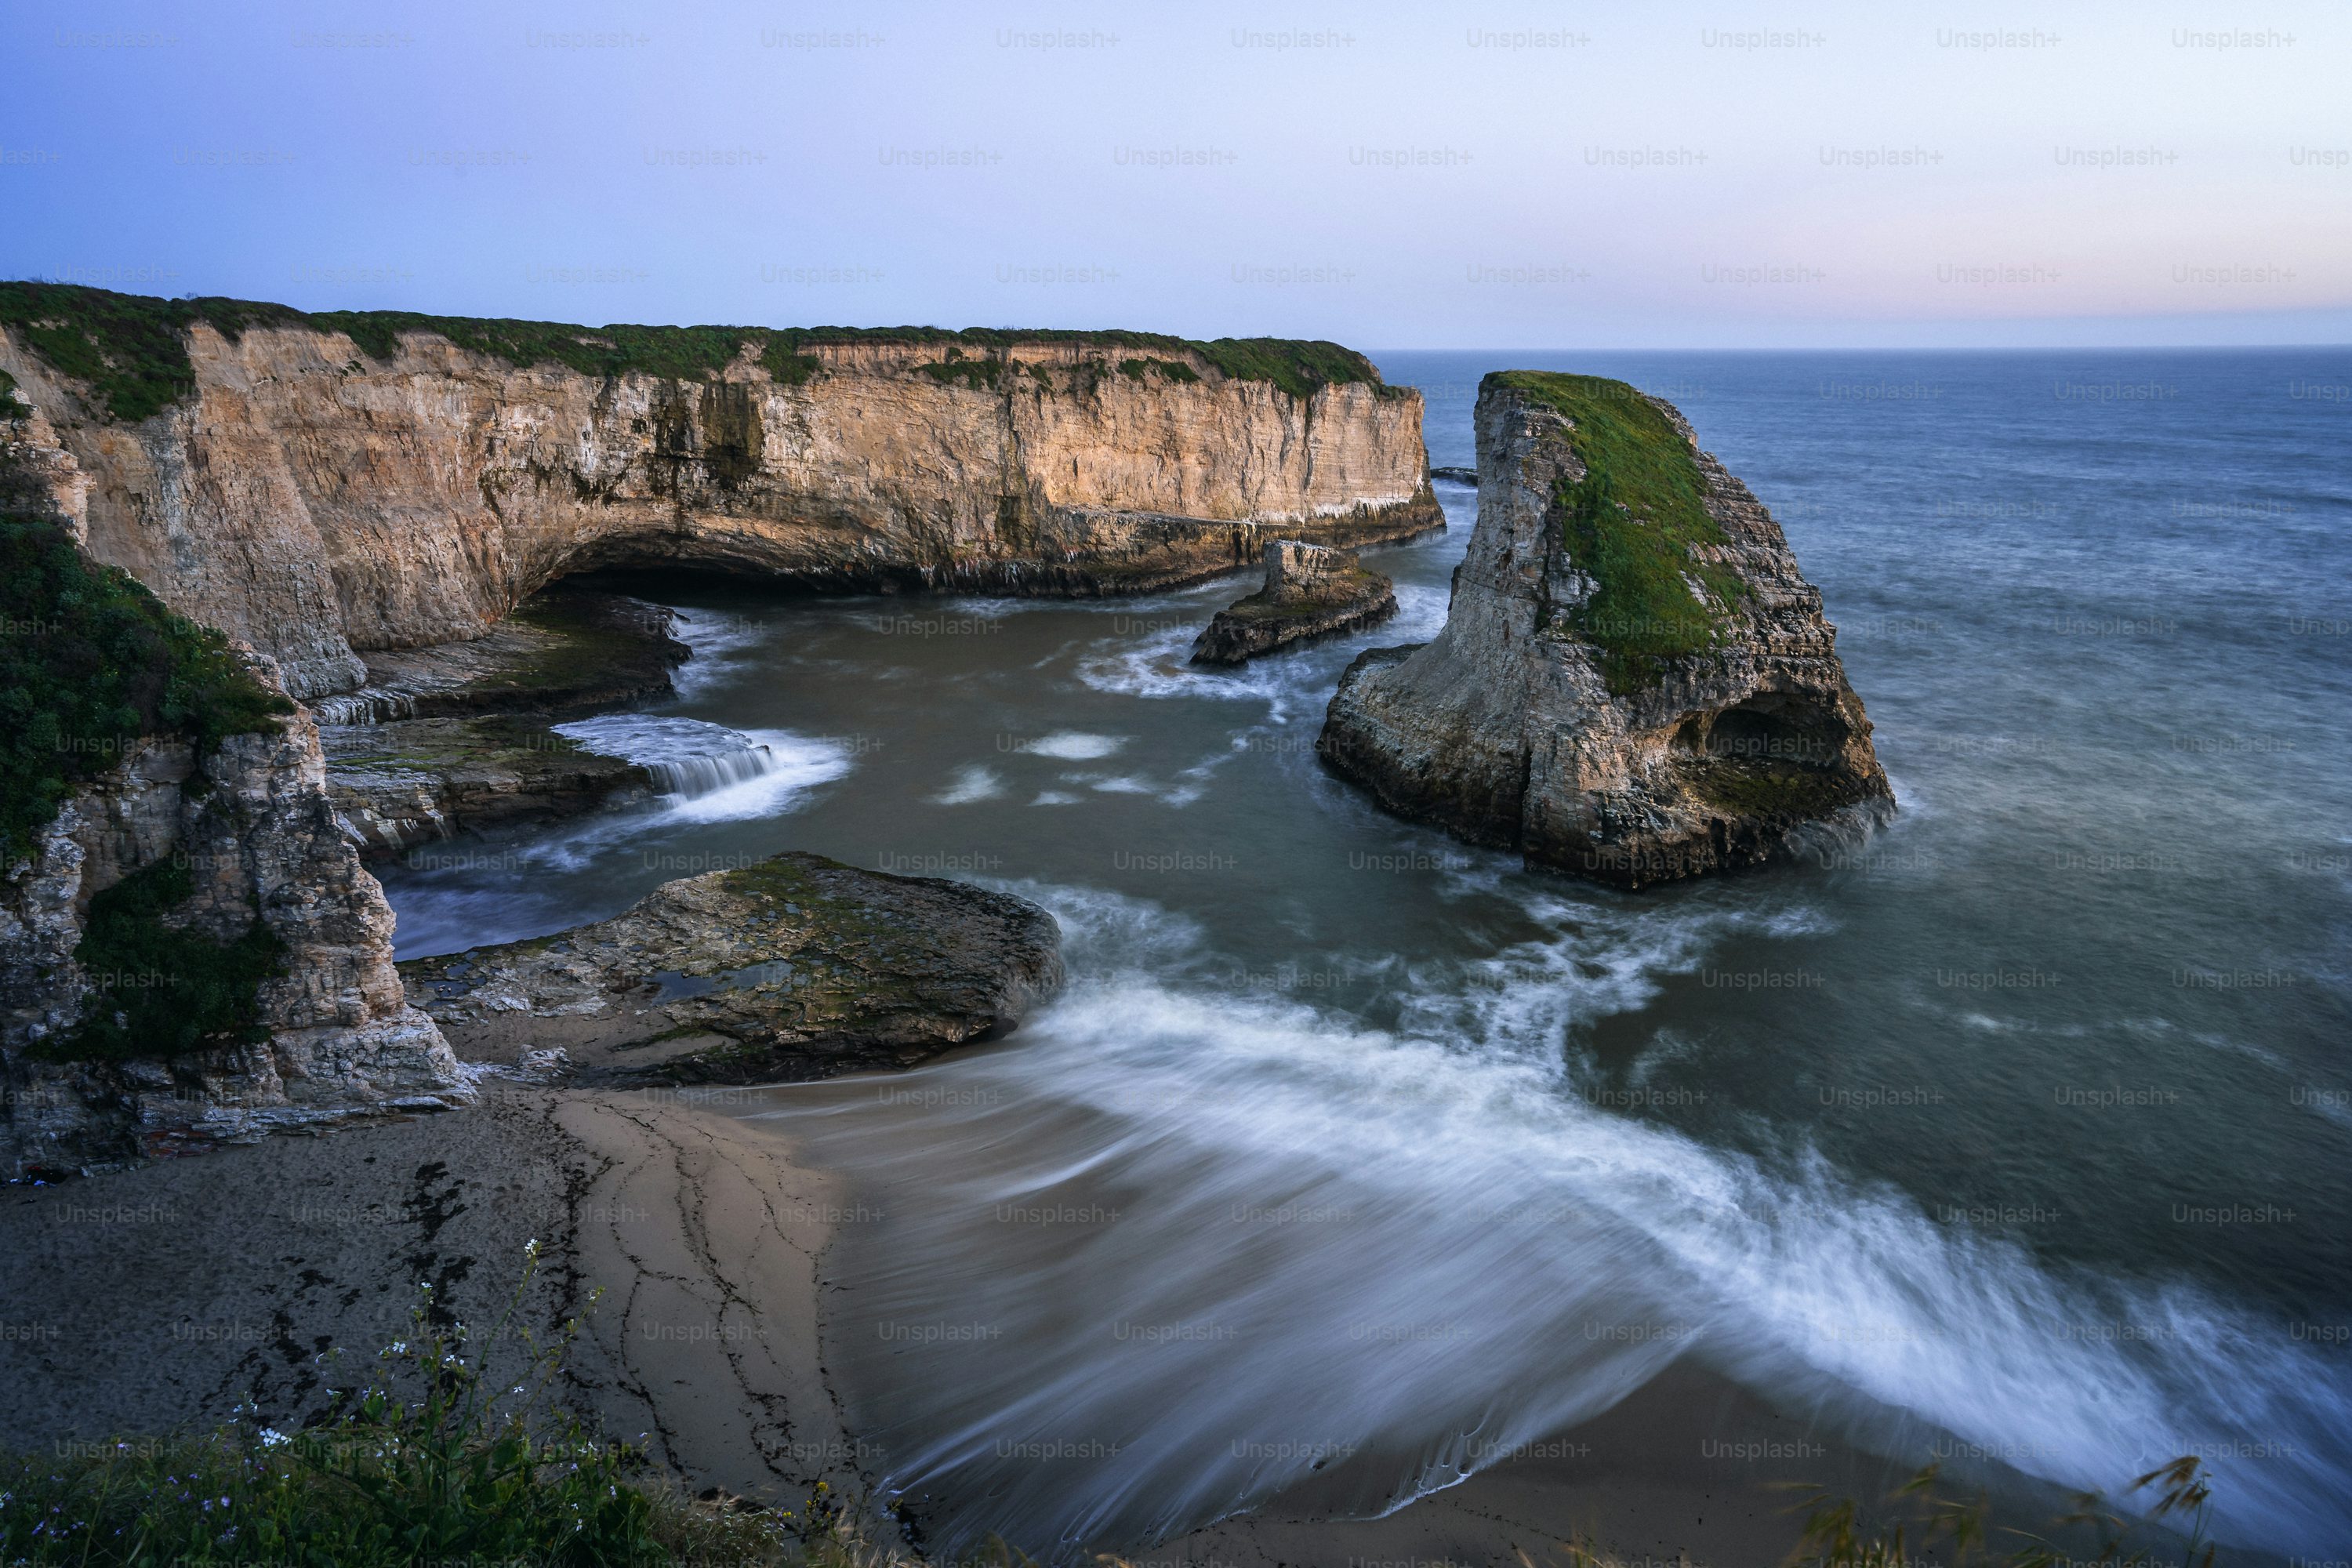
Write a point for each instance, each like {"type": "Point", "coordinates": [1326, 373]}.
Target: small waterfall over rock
{"type": "Point", "coordinates": [687, 757]}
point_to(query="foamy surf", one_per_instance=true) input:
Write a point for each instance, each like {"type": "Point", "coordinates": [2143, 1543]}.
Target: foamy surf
{"type": "Point", "coordinates": [706, 772]}
{"type": "Point", "coordinates": [1251, 1242]}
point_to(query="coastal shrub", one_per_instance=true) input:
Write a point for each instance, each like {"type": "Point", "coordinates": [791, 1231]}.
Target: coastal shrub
{"type": "Point", "coordinates": [979, 374]}
{"type": "Point", "coordinates": [1631, 524]}
{"type": "Point", "coordinates": [90, 663]}
{"type": "Point", "coordinates": [132, 350]}
{"type": "Point", "coordinates": [1835, 1537]}
{"type": "Point", "coordinates": [1173, 369]}
{"type": "Point", "coordinates": [432, 1459]}
{"type": "Point", "coordinates": [164, 990]}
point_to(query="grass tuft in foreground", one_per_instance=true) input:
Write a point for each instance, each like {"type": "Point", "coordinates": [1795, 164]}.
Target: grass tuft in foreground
{"type": "Point", "coordinates": [431, 1461]}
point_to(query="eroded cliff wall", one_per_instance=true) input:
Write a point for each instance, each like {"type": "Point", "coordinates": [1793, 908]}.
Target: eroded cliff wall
{"type": "Point", "coordinates": [319, 500]}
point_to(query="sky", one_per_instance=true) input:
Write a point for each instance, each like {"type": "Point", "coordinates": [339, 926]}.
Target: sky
{"type": "Point", "coordinates": [1506, 175]}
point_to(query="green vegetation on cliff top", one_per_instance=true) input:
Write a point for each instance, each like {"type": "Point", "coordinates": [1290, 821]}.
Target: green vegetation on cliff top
{"type": "Point", "coordinates": [1631, 524]}
{"type": "Point", "coordinates": [132, 348]}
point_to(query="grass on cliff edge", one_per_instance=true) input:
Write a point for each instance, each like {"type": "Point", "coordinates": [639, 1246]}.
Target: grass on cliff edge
{"type": "Point", "coordinates": [1630, 524]}
{"type": "Point", "coordinates": [132, 348]}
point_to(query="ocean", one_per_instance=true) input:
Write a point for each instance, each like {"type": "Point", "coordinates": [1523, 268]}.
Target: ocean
{"type": "Point", "coordinates": [1353, 1156]}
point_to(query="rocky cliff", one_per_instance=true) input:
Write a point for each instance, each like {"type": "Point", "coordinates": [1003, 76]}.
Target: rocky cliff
{"type": "Point", "coordinates": [322, 485]}
{"type": "Point", "coordinates": [1633, 683]}
{"type": "Point", "coordinates": [189, 949]}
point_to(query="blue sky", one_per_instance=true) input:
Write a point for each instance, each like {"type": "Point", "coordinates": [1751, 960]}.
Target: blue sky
{"type": "Point", "coordinates": [1391, 176]}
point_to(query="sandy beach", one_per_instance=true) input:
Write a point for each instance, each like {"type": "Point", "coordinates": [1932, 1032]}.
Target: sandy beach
{"type": "Point", "coordinates": [227, 1277]}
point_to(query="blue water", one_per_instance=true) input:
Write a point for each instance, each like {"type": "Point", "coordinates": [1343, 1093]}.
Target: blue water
{"type": "Point", "coordinates": [2028, 1128]}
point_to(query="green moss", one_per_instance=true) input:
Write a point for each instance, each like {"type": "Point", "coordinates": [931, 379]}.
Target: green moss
{"type": "Point", "coordinates": [11, 409]}
{"type": "Point", "coordinates": [1757, 789]}
{"type": "Point", "coordinates": [132, 350]}
{"type": "Point", "coordinates": [164, 990]}
{"type": "Point", "coordinates": [1173, 369]}
{"type": "Point", "coordinates": [90, 662]}
{"type": "Point", "coordinates": [1632, 524]}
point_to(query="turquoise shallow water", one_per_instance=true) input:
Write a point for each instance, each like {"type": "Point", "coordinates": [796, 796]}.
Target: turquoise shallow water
{"type": "Point", "coordinates": [2025, 1132]}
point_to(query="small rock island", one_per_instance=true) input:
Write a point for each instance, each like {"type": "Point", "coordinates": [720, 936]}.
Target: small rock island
{"type": "Point", "coordinates": [1311, 591]}
{"type": "Point", "coordinates": [1633, 683]}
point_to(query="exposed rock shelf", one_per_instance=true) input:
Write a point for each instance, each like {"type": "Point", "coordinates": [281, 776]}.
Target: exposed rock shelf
{"type": "Point", "coordinates": [328, 487]}
{"type": "Point", "coordinates": [1633, 683]}
{"type": "Point", "coordinates": [797, 967]}
{"type": "Point", "coordinates": [1311, 592]}
{"type": "Point", "coordinates": [417, 779]}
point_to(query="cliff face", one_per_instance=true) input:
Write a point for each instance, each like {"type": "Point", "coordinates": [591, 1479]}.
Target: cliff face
{"type": "Point", "coordinates": [250, 825]}
{"type": "Point", "coordinates": [316, 497]}
{"type": "Point", "coordinates": [160, 876]}
{"type": "Point", "coordinates": [1634, 682]}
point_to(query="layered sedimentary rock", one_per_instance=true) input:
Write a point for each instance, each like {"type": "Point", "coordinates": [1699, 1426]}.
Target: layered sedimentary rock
{"type": "Point", "coordinates": [1634, 682]}
{"type": "Point", "coordinates": [249, 824]}
{"type": "Point", "coordinates": [1311, 592]}
{"type": "Point", "coordinates": [325, 487]}
{"type": "Point", "coordinates": [795, 967]}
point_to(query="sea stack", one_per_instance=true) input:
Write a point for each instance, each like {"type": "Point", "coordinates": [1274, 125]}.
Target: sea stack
{"type": "Point", "coordinates": [1311, 591]}
{"type": "Point", "coordinates": [1633, 683]}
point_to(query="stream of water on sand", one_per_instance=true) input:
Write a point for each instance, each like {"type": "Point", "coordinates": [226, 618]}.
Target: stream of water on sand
{"type": "Point", "coordinates": [1354, 1153]}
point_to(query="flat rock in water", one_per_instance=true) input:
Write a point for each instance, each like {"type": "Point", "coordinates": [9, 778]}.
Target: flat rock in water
{"type": "Point", "coordinates": [1311, 591]}
{"type": "Point", "coordinates": [795, 968]}
{"type": "Point", "coordinates": [417, 779]}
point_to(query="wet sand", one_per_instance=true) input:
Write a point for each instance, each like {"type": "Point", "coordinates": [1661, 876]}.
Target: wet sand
{"type": "Point", "coordinates": [156, 1299]}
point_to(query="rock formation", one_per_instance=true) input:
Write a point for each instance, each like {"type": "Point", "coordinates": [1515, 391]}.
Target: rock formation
{"type": "Point", "coordinates": [1311, 591]}
{"type": "Point", "coordinates": [164, 880]}
{"type": "Point", "coordinates": [796, 967]}
{"type": "Point", "coordinates": [250, 825]}
{"type": "Point", "coordinates": [1634, 682]}
{"type": "Point", "coordinates": [400, 784]}
{"type": "Point", "coordinates": [328, 485]}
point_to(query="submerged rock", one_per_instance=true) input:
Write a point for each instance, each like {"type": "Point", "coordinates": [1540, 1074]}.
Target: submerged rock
{"type": "Point", "coordinates": [1634, 682]}
{"type": "Point", "coordinates": [795, 968]}
{"type": "Point", "coordinates": [1311, 591]}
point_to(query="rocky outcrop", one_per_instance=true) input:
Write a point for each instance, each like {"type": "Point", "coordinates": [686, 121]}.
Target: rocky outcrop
{"type": "Point", "coordinates": [327, 487]}
{"type": "Point", "coordinates": [1311, 592]}
{"type": "Point", "coordinates": [1634, 682]}
{"type": "Point", "coordinates": [250, 825]}
{"type": "Point", "coordinates": [565, 650]}
{"type": "Point", "coordinates": [414, 780]}
{"type": "Point", "coordinates": [794, 968]}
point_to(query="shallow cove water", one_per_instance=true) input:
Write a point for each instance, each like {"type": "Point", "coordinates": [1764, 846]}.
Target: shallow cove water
{"type": "Point", "coordinates": [1356, 1157]}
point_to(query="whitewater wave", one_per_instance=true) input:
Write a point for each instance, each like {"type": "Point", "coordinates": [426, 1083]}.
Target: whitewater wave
{"type": "Point", "coordinates": [723, 646]}
{"type": "Point", "coordinates": [1375, 1260]}
{"type": "Point", "coordinates": [706, 772]}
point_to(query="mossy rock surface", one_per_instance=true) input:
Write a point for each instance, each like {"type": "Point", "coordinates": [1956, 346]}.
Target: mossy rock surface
{"type": "Point", "coordinates": [792, 967]}
{"type": "Point", "coordinates": [1637, 524]}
